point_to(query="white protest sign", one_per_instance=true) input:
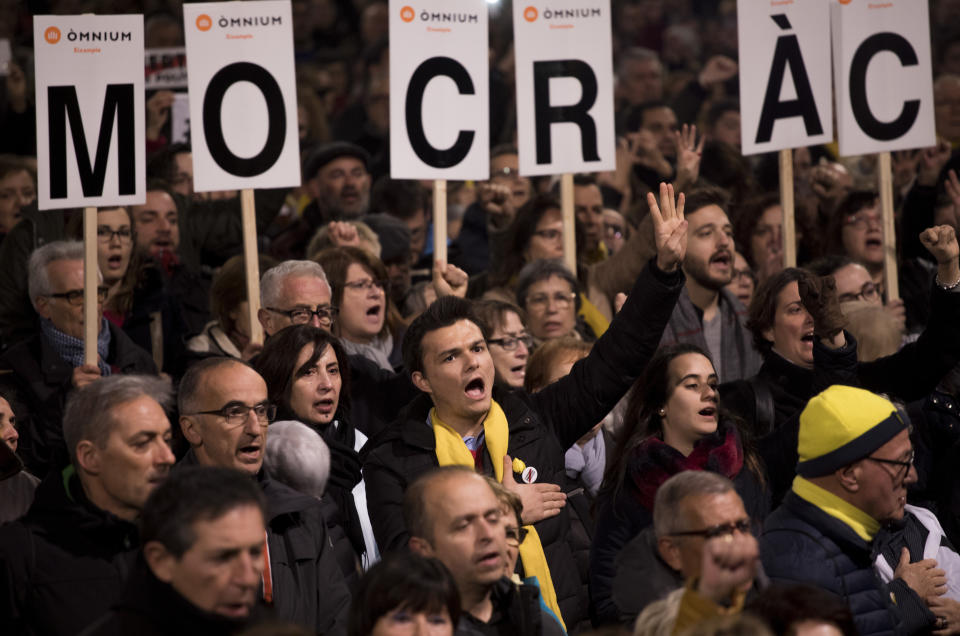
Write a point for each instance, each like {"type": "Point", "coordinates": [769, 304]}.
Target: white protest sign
{"type": "Point", "coordinates": [180, 119]}
{"type": "Point", "coordinates": [243, 98]}
{"type": "Point", "coordinates": [91, 141]}
{"type": "Point", "coordinates": [564, 63]}
{"type": "Point", "coordinates": [883, 75]}
{"type": "Point", "coordinates": [165, 68]}
{"type": "Point", "coordinates": [439, 88]}
{"type": "Point", "coordinates": [785, 91]}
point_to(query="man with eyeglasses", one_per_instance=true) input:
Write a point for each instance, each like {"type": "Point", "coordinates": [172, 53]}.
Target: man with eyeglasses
{"type": "Point", "coordinates": [224, 415]}
{"type": "Point", "coordinates": [295, 293]}
{"type": "Point", "coordinates": [855, 463]}
{"type": "Point", "coordinates": [46, 367]}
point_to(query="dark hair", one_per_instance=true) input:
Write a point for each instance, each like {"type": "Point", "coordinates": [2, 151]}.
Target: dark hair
{"type": "Point", "coordinates": [415, 498]}
{"type": "Point", "coordinates": [763, 306]}
{"type": "Point", "coordinates": [782, 607]}
{"type": "Point", "coordinates": [402, 580]}
{"type": "Point", "coordinates": [827, 265]}
{"type": "Point", "coordinates": [335, 262]}
{"type": "Point", "coordinates": [163, 165]}
{"type": "Point", "coordinates": [398, 197]}
{"type": "Point", "coordinates": [704, 195]}
{"type": "Point", "coordinates": [276, 364]}
{"type": "Point", "coordinates": [503, 149]}
{"type": "Point", "coordinates": [191, 494]}
{"type": "Point", "coordinates": [585, 179]}
{"type": "Point", "coordinates": [542, 269]}
{"type": "Point", "coordinates": [853, 202]}
{"type": "Point", "coordinates": [745, 222]}
{"type": "Point", "coordinates": [229, 288]}
{"type": "Point", "coordinates": [521, 230]}
{"type": "Point", "coordinates": [442, 313]}
{"type": "Point", "coordinates": [633, 119]}
{"type": "Point", "coordinates": [722, 165]}
{"type": "Point", "coordinates": [492, 312]}
{"type": "Point", "coordinates": [189, 389]}
{"type": "Point", "coordinates": [717, 108]}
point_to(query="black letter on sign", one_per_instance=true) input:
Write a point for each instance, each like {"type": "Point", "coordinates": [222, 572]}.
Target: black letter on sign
{"type": "Point", "coordinates": [62, 104]}
{"type": "Point", "coordinates": [546, 115]}
{"type": "Point", "coordinates": [882, 131]}
{"type": "Point", "coordinates": [212, 123]}
{"type": "Point", "coordinates": [787, 52]}
{"type": "Point", "coordinates": [431, 68]}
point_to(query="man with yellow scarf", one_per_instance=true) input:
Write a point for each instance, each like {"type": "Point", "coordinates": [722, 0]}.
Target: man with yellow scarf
{"type": "Point", "coordinates": [517, 437]}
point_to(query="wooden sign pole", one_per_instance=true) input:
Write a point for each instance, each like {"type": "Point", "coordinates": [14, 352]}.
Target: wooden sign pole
{"type": "Point", "coordinates": [91, 281]}
{"type": "Point", "coordinates": [440, 220]}
{"type": "Point", "coordinates": [569, 223]}
{"type": "Point", "coordinates": [251, 261]}
{"type": "Point", "coordinates": [890, 282]}
{"type": "Point", "coordinates": [786, 204]}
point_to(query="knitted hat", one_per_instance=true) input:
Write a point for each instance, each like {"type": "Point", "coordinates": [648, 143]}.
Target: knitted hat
{"type": "Point", "coordinates": [840, 426]}
{"type": "Point", "coordinates": [330, 151]}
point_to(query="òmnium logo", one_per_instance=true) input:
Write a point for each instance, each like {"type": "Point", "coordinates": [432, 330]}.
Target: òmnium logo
{"type": "Point", "coordinates": [52, 35]}
{"type": "Point", "coordinates": [204, 22]}
{"type": "Point", "coordinates": [407, 14]}
{"type": "Point", "coordinates": [530, 14]}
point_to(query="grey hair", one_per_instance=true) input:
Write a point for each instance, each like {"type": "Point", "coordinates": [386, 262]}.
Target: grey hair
{"type": "Point", "coordinates": [542, 269]}
{"type": "Point", "coordinates": [88, 412]}
{"type": "Point", "coordinates": [298, 457]}
{"type": "Point", "coordinates": [38, 279]}
{"type": "Point", "coordinates": [666, 505]}
{"type": "Point", "coordinates": [272, 280]}
{"type": "Point", "coordinates": [637, 54]}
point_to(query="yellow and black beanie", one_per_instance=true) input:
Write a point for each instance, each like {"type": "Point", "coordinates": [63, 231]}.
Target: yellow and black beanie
{"type": "Point", "coordinates": [840, 426]}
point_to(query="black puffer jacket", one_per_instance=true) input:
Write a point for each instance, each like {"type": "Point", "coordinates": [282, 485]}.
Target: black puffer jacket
{"type": "Point", "coordinates": [308, 585]}
{"type": "Point", "coordinates": [63, 564]}
{"type": "Point", "coordinates": [542, 426]}
{"type": "Point", "coordinates": [42, 381]}
{"type": "Point", "coordinates": [803, 544]}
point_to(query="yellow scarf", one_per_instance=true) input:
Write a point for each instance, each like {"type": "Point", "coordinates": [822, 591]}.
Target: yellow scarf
{"type": "Point", "coordinates": [860, 522]}
{"type": "Point", "coordinates": [452, 451]}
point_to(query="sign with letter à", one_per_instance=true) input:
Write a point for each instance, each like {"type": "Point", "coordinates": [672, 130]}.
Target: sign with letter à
{"type": "Point", "coordinates": [785, 91]}
{"type": "Point", "coordinates": [243, 101]}
{"type": "Point", "coordinates": [883, 76]}
{"type": "Point", "coordinates": [91, 140]}
{"type": "Point", "coordinates": [439, 88]}
{"type": "Point", "coordinates": [564, 69]}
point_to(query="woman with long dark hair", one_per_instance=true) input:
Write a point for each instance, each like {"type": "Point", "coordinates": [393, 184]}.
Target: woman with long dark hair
{"type": "Point", "coordinates": [307, 376]}
{"type": "Point", "coordinates": [672, 423]}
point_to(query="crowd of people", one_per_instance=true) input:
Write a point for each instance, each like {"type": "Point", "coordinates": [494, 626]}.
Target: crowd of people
{"type": "Point", "coordinates": [684, 435]}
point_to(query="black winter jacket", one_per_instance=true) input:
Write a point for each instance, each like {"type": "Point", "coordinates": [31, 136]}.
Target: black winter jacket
{"type": "Point", "coordinates": [64, 563]}
{"type": "Point", "coordinates": [542, 426]}
{"type": "Point", "coordinates": [308, 585]}
{"type": "Point", "coordinates": [516, 612]}
{"type": "Point", "coordinates": [42, 381]}
{"type": "Point", "coordinates": [150, 607]}
{"type": "Point", "coordinates": [803, 544]}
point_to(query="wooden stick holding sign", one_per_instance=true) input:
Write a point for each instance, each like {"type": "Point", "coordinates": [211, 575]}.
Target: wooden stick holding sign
{"type": "Point", "coordinates": [251, 261]}
{"type": "Point", "coordinates": [91, 283]}
{"type": "Point", "coordinates": [786, 204]}
{"type": "Point", "coordinates": [569, 223]}
{"type": "Point", "coordinates": [440, 220]}
{"type": "Point", "coordinates": [890, 281]}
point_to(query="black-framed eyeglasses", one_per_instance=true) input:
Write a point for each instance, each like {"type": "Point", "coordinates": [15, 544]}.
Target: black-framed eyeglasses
{"type": "Point", "coordinates": [236, 413]}
{"type": "Point", "coordinates": [105, 234]}
{"type": "Point", "coordinates": [75, 296]}
{"type": "Point", "coordinates": [366, 285]}
{"type": "Point", "coordinates": [903, 466]}
{"type": "Point", "coordinates": [515, 536]}
{"type": "Point", "coordinates": [869, 291]}
{"type": "Point", "coordinates": [510, 343]}
{"type": "Point", "coordinates": [714, 532]}
{"type": "Point", "coordinates": [302, 315]}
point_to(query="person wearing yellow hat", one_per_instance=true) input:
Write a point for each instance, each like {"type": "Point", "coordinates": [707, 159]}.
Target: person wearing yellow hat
{"type": "Point", "coordinates": [855, 463]}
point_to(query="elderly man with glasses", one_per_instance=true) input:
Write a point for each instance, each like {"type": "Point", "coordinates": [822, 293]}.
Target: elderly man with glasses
{"type": "Point", "coordinates": [46, 367]}
{"type": "Point", "coordinates": [224, 415]}
{"type": "Point", "coordinates": [850, 493]}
